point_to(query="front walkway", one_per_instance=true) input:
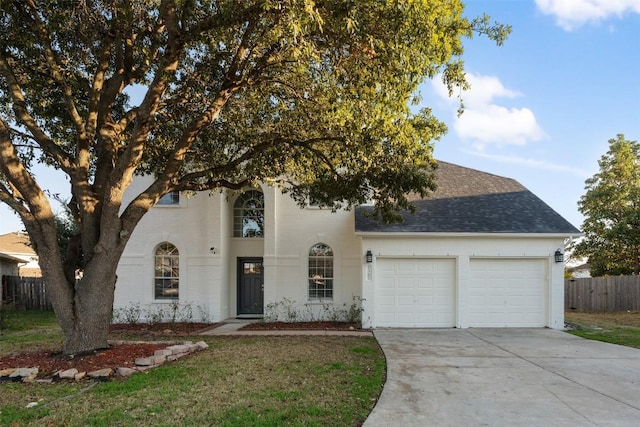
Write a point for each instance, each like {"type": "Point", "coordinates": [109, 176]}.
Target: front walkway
{"type": "Point", "coordinates": [232, 327]}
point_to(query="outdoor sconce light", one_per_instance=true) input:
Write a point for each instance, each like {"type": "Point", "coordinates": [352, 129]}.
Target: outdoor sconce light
{"type": "Point", "coordinates": [559, 256]}
{"type": "Point", "coordinates": [369, 257]}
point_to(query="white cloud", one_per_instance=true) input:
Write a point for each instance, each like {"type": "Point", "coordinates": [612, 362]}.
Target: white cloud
{"type": "Point", "coordinates": [494, 124]}
{"type": "Point", "coordinates": [573, 13]}
{"type": "Point", "coordinates": [484, 121]}
{"type": "Point", "coordinates": [484, 89]}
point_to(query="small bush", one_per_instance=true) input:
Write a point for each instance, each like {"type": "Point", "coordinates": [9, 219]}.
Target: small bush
{"type": "Point", "coordinates": [287, 310]}
{"type": "Point", "coordinates": [159, 313]}
{"type": "Point", "coordinates": [204, 315]}
{"type": "Point", "coordinates": [129, 315]}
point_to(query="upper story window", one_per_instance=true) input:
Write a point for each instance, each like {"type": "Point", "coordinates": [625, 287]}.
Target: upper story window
{"type": "Point", "coordinates": [320, 272]}
{"type": "Point", "coordinates": [167, 272]}
{"type": "Point", "coordinates": [248, 214]}
{"type": "Point", "coordinates": [171, 198]}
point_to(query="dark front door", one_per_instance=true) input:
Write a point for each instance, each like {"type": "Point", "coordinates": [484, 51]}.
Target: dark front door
{"type": "Point", "coordinates": [250, 286]}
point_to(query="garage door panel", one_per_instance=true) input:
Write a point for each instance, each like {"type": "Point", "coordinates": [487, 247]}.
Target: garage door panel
{"type": "Point", "coordinates": [507, 293]}
{"type": "Point", "coordinates": [518, 302]}
{"type": "Point", "coordinates": [520, 318]}
{"type": "Point", "coordinates": [425, 284]}
{"type": "Point", "coordinates": [405, 300]}
{"type": "Point", "coordinates": [384, 317]}
{"type": "Point", "coordinates": [415, 293]}
{"type": "Point", "coordinates": [405, 283]}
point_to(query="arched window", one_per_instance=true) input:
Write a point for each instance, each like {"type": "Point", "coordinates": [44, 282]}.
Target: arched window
{"type": "Point", "coordinates": [320, 272]}
{"type": "Point", "coordinates": [167, 272]}
{"type": "Point", "coordinates": [248, 214]}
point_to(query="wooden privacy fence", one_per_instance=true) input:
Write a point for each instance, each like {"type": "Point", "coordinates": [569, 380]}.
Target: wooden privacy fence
{"type": "Point", "coordinates": [609, 293]}
{"type": "Point", "coordinates": [25, 292]}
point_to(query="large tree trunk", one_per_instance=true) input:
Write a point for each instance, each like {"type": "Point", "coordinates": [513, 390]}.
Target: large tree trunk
{"type": "Point", "coordinates": [92, 311]}
{"type": "Point", "coordinates": [84, 309]}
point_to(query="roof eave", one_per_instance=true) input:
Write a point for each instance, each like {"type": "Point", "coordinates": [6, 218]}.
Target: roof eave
{"type": "Point", "coordinates": [12, 258]}
{"type": "Point", "coordinates": [467, 234]}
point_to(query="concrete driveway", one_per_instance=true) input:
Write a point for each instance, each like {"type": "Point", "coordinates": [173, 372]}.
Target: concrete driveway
{"type": "Point", "coordinates": [505, 377]}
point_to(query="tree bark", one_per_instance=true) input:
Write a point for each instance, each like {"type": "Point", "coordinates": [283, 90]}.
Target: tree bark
{"type": "Point", "coordinates": [93, 308]}
{"type": "Point", "coordinates": [83, 307]}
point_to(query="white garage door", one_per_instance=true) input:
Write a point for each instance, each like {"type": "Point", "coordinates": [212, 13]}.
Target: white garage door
{"type": "Point", "coordinates": [415, 293]}
{"type": "Point", "coordinates": [507, 292]}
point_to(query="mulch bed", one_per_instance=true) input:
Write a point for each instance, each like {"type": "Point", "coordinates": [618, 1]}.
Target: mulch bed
{"type": "Point", "coordinates": [330, 326]}
{"type": "Point", "coordinates": [49, 362]}
{"type": "Point", "coordinates": [175, 329]}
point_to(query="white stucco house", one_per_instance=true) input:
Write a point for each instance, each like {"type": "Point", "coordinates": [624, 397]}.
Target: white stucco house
{"type": "Point", "coordinates": [479, 252]}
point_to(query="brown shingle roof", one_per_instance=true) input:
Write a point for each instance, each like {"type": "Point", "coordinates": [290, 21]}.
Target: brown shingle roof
{"type": "Point", "coordinates": [18, 243]}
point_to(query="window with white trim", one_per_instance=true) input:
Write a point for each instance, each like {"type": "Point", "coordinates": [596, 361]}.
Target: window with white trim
{"type": "Point", "coordinates": [320, 275]}
{"type": "Point", "coordinates": [170, 199]}
{"type": "Point", "coordinates": [248, 214]}
{"type": "Point", "coordinates": [167, 272]}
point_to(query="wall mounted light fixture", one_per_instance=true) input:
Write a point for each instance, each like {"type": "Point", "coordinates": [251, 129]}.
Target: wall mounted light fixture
{"type": "Point", "coordinates": [369, 257]}
{"type": "Point", "coordinates": [558, 256]}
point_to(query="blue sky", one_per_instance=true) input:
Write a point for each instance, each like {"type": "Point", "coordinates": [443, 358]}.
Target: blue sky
{"type": "Point", "coordinates": [542, 107]}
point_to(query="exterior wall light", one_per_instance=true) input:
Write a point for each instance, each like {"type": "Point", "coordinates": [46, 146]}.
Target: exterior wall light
{"type": "Point", "coordinates": [369, 257]}
{"type": "Point", "coordinates": [559, 256]}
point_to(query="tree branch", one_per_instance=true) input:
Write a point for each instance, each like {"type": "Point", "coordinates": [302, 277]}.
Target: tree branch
{"type": "Point", "coordinates": [127, 163]}
{"type": "Point", "coordinates": [23, 186]}
{"type": "Point", "coordinates": [189, 180]}
{"type": "Point", "coordinates": [23, 115]}
{"type": "Point", "coordinates": [53, 65]}
{"type": "Point", "coordinates": [230, 84]}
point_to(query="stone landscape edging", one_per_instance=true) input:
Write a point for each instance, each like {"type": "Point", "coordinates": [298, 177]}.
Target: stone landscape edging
{"type": "Point", "coordinates": [173, 351]}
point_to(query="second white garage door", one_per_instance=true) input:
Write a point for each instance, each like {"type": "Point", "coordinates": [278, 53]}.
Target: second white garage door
{"type": "Point", "coordinates": [507, 293]}
{"type": "Point", "coordinates": [415, 293]}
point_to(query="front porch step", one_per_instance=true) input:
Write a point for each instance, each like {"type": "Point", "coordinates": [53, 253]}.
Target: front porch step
{"type": "Point", "coordinates": [247, 317]}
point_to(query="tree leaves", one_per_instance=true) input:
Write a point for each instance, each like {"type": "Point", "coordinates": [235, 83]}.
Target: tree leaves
{"type": "Point", "coordinates": [611, 206]}
{"type": "Point", "coordinates": [312, 96]}
{"type": "Point", "coordinates": [287, 90]}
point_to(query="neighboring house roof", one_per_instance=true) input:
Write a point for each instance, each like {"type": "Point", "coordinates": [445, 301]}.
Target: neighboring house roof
{"type": "Point", "coordinates": [580, 271]}
{"type": "Point", "coordinates": [18, 246]}
{"type": "Point", "coordinates": [470, 201]}
{"type": "Point", "coordinates": [16, 243]}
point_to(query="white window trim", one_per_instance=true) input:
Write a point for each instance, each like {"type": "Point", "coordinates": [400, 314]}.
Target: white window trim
{"type": "Point", "coordinates": [324, 299]}
{"type": "Point", "coordinates": [167, 300]}
{"type": "Point", "coordinates": [234, 217]}
{"type": "Point", "coordinates": [181, 202]}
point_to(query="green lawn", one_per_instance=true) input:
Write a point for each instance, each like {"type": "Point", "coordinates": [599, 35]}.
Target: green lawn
{"type": "Point", "coordinates": [257, 381]}
{"type": "Point", "coordinates": [618, 328]}
{"type": "Point", "coordinates": [28, 330]}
